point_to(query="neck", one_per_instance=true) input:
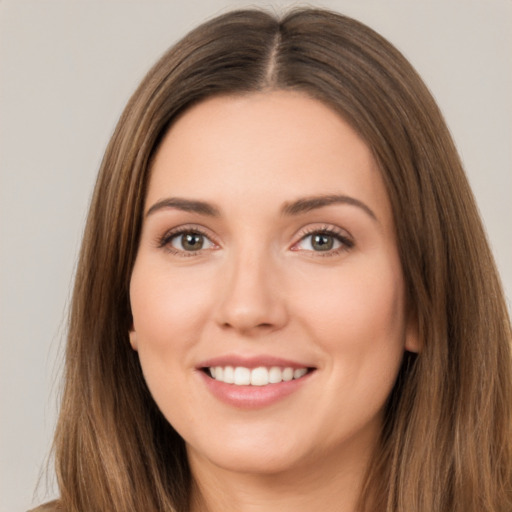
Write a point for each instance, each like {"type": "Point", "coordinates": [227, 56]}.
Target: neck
{"type": "Point", "coordinates": [334, 485]}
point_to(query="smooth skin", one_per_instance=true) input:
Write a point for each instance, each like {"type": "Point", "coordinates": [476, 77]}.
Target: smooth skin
{"type": "Point", "coordinates": [254, 273]}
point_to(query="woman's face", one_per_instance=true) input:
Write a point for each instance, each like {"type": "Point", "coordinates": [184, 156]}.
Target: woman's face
{"type": "Point", "coordinates": [267, 254]}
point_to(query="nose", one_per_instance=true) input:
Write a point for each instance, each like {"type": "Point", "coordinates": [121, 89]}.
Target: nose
{"type": "Point", "coordinates": [252, 299]}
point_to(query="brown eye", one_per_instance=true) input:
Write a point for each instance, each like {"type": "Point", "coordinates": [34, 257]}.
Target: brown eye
{"type": "Point", "coordinates": [190, 241]}
{"type": "Point", "coordinates": [324, 241]}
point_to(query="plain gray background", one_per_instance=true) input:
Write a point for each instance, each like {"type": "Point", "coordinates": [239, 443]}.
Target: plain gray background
{"type": "Point", "coordinates": [67, 69]}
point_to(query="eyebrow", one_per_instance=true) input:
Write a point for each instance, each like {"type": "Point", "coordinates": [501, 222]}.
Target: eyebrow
{"type": "Point", "coordinates": [302, 205]}
{"type": "Point", "coordinates": [308, 204]}
{"type": "Point", "coordinates": [186, 205]}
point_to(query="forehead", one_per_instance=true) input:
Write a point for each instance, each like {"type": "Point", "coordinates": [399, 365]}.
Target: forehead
{"type": "Point", "coordinates": [275, 145]}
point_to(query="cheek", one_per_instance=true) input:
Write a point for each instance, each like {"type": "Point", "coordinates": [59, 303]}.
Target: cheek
{"type": "Point", "coordinates": [168, 315]}
{"type": "Point", "coordinates": [358, 310]}
{"type": "Point", "coordinates": [167, 309]}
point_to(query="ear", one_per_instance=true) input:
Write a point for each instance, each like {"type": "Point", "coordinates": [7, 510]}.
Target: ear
{"type": "Point", "coordinates": [133, 338]}
{"type": "Point", "coordinates": [413, 343]}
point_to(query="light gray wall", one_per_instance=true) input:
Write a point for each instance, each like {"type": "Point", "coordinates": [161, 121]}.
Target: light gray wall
{"type": "Point", "coordinates": [68, 67]}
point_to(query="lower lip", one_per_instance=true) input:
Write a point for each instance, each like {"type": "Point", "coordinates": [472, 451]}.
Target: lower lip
{"type": "Point", "coordinates": [253, 397]}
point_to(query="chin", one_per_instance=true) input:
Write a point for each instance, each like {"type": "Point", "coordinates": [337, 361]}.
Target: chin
{"type": "Point", "coordinates": [263, 458]}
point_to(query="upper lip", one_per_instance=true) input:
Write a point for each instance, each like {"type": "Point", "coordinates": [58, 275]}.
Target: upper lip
{"type": "Point", "coordinates": [252, 362]}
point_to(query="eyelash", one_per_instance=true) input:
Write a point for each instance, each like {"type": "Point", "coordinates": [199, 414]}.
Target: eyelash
{"type": "Point", "coordinates": [346, 242]}
{"type": "Point", "coordinates": [164, 242]}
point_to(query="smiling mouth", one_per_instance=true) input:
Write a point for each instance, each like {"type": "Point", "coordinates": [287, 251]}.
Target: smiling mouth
{"type": "Point", "coordinates": [260, 376]}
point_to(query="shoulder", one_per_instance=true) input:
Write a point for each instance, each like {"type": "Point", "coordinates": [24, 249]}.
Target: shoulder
{"type": "Point", "coordinates": [52, 506]}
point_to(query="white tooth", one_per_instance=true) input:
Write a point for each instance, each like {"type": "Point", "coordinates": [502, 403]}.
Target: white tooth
{"type": "Point", "coordinates": [287, 374]}
{"type": "Point", "coordinates": [229, 375]}
{"type": "Point", "coordinates": [219, 373]}
{"type": "Point", "coordinates": [297, 374]}
{"type": "Point", "coordinates": [242, 376]}
{"type": "Point", "coordinates": [275, 375]}
{"type": "Point", "coordinates": [259, 376]}
{"type": "Point", "coordinates": [212, 372]}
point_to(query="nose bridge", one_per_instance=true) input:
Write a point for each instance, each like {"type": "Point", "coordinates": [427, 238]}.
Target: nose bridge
{"type": "Point", "coordinates": [251, 298]}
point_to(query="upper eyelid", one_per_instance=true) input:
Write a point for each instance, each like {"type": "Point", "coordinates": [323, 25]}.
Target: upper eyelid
{"type": "Point", "coordinates": [322, 228]}
{"type": "Point", "coordinates": [343, 236]}
{"type": "Point", "coordinates": [186, 228]}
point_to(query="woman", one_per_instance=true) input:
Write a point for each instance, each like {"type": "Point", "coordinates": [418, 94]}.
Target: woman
{"type": "Point", "coordinates": [285, 298]}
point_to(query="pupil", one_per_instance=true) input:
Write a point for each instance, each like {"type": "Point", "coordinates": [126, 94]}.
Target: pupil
{"type": "Point", "coordinates": [192, 241]}
{"type": "Point", "coordinates": [322, 242]}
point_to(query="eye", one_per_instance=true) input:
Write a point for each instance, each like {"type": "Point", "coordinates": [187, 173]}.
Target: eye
{"type": "Point", "coordinates": [190, 241]}
{"type": "Point", "coordinates": [324, 241]}
{"type": "Point", "coordinates": [186, 241]}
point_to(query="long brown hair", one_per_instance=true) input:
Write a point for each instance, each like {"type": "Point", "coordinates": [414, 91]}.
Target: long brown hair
{"type": "Point", "coordinates": [445, 444]}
